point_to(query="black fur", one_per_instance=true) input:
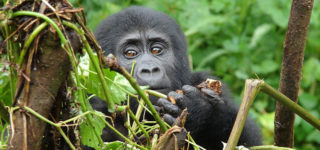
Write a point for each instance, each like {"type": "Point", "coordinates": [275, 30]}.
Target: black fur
{"type": "Point", "coordinates": [209, 121]}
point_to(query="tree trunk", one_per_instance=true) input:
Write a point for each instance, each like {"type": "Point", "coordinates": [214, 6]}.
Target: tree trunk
{"type": "Point", "coordinates": [291, 69]}
{"type": "Point", "coordinates": [49, 72]}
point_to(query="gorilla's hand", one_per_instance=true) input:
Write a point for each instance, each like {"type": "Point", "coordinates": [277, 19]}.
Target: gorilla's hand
{"type": "Point", "coordinates": [198, 103]}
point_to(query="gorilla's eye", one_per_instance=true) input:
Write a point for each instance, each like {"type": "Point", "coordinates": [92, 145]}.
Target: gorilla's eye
{"type": "Point", "coordinates": [130, 53]}
{"type": "Point", "coordinates": [156, 50]}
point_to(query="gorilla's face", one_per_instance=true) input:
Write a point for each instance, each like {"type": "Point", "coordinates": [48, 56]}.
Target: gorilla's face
{"type": "Point", "coordinates": [152, 51]}
{"type": "Point", "coordinates": [153, 40]}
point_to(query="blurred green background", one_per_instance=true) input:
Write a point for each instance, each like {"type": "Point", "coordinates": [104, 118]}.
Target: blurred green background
{"type": "Point", "coordinates": [237, 40]}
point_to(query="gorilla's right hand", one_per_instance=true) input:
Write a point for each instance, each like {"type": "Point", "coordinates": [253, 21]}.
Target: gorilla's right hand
{"type": "Point", "coordinates": [199, 104]}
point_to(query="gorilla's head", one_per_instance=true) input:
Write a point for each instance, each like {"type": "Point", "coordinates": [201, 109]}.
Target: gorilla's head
{"type": "Point", "coordinates": [153, 40]}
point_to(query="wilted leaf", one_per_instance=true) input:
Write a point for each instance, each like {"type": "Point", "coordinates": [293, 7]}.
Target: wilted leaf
{"type": "Point", "coordinates": [173, 139]}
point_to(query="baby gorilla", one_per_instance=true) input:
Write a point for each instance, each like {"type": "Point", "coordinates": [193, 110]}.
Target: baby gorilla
{"type": "Point", "coordinates": [159, 47]}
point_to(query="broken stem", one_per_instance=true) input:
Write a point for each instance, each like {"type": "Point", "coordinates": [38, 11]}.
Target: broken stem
{"type": "Point", "coordinates": [291, 105]}
{"type": "Point", "coordinates": [157, 94]}
{"type": "Point", "coordinates": [251, 90]}
{"type": "Point", "coordinates": [252, 87]}
{"type": "Point", "coordinates": [138, 114]}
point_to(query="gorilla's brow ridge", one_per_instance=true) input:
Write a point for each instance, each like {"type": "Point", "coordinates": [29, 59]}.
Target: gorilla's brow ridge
{"type": "Point", "coordinates": [159, 39]}
{"type": "Point", "coordinates": [136, 39]}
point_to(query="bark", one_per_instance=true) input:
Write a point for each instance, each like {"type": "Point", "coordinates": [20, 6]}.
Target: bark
{"type": "Point", "coordinates": [291, 69]}
{"type": "Point", "coordinates": [48, 74]}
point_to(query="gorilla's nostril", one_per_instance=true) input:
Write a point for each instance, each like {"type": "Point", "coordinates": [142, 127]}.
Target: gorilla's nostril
{"type": "Point", "coordinates": [145, 71]}
{"type": "Point", "coordinates": [155, 70]}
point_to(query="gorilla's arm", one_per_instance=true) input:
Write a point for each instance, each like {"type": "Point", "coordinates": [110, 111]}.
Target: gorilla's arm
{"type": "Point", "coordinates": [118, 122]}
{"type": "Point", "coordinates": [210, 121]}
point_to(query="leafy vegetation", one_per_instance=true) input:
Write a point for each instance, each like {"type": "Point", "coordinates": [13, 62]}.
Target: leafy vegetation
{"type": "Point", "coordinates": [237, 40]}
{"type": "Point", "coordinates": [234, 40]}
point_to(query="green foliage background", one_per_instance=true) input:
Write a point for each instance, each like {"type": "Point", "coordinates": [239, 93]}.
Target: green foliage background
{"type": "Point", "coordinates": [237, 40]}
{"type": "Point", "coordinates": [234, 40]}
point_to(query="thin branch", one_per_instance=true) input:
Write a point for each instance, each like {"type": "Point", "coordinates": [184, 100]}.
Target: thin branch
{"type": "Point", "coordinates": [140, 126]}
{"type": "Point", "coordinates": [252, 87]}
{"type": "Point", "coordinates": [28, 42]}
{"type": "Point", "coordinates": [113, 65]}
{"type": "Point", "coordinates": [121, 135]}
{"type": "Point", "coordinates": [106, 90]}
{"type": "Point", "coordinates": [58, 126]}
{"type": "Point", "coordinates": [294, 107]}
{"type": "Point", "coordinates": [269, 147]}
{"type": "Point", "coordinates": [47, 19]}
{"type": "Point", "coordinates": [157, 94]}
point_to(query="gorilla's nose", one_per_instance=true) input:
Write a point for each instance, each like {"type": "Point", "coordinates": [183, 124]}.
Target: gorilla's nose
{"type": "Point", "coordinates": [149, 74]}
{"type": "Point", "coordinates": [154, 71]}
{"type": "Point", "coordinates": [149, 71]}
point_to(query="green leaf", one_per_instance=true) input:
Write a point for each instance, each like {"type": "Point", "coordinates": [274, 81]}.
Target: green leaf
{"type": "Point", "coordinates": [308, 101]}
{"type": "Point", "coordinates": [88, 136]}
{"type": "Point", "coordinates": [314, 136]}
{"type": "Point", "coordinates": [277, 10]}
{"type": "Point", "coordinates": [311, 71]}
{"type": "Point", "coordinates": [218, 5]}
{"type": "Point", "coordinates": [266, 120]}
{"type": "Point", "coordinates": [259, 32]}
{"type": "Point", "coordinates": [241, 74]}
{"type": "Point", "coordinates": [5, 90]}
{"type": "Point", "coordinates": [306, 126]}
{"type": "Point", "coordinates": [121, 81]}
{"type": "Point", "coordinates": [117, 83]}
{"type": "Point", "coordinates": [265, 67]}
{"type": "Point", "coordinates": [116, 145]}
{"type": "Point", "coordinates": [94, 85]}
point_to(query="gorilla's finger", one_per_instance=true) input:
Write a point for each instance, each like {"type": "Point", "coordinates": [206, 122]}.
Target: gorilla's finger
{"type": "Point", "coordinates": [179, 99]}
{"type": "Point", "coordinates": [213, 96]}
{"type": "Point", "coordinates": [169, 107]}
{"type": "Point", "coordinates": [190, 91]}
{"type": "Point", "coordinates": [169, 119]}
{"type": "Point", "coordinates": [162, 102]}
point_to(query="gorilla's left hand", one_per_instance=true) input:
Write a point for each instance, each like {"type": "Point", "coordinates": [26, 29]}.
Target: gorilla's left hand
{"type": "Point", "coordinates": [199, 104]}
